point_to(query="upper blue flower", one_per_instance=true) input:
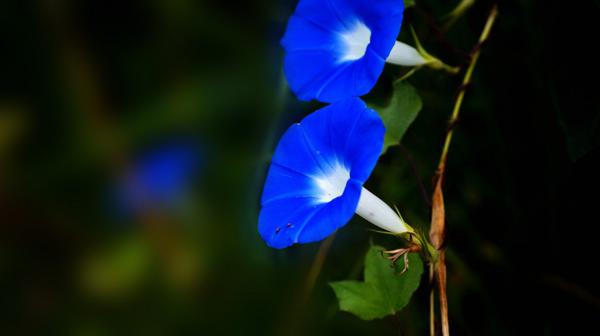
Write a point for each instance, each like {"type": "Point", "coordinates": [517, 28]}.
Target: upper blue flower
{"type": "Point", "coordinates": [336, 49]}
{"type": "Point", "coordinates": [317, 172]}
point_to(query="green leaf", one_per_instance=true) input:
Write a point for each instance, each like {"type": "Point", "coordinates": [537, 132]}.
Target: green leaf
{"type": "Point", "coordinates": [409, 3]}
{"type": "Point", "coordinates": [399, 114]}
{"type": "Point", "coordinates": [385, 290]}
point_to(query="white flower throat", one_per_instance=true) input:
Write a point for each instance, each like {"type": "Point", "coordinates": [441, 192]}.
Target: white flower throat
{"type": "Point", "coordinates": [332, 185]}
{"type": "Point", "coordinates": [356, 41]}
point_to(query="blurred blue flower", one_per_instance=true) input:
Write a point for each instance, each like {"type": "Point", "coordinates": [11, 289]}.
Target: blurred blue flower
{"type": "Point", "coordinates": [314, 184]}
{"type": "Point", "coordinates": [337, 48]}
{"type": "Point", "coordinates": [160, 178]}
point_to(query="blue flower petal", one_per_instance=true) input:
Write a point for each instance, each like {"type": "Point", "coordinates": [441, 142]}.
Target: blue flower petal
{"type": "Point", "coordinates": [348, 132]}
{"type": "Point", "coordinates": [365, 142]}
{"type": "Point", "coordinates": [305, 159]}
{"type": "Point", "coordinates": [285, 183]}
{"type": "Point", "coordinates": [159, 178]}
{"type": "Point", "coordinates": [318, 63]}
{"type": "Point", "coordinates": [280, 223]}
{"type": "Point", "coordinates": [318, 169]}
{"type": "Point", "coordinates": [332, 216]}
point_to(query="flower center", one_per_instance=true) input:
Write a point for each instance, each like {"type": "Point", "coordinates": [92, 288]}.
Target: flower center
{"type": "Point", "coordinates": [333, 184]}
{"type": "Point", "coordinates": [355, 42]}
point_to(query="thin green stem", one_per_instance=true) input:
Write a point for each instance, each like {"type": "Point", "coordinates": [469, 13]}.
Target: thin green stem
{"type": "Point", "coordinates": [432, 61]}
{"type": "Point", "coordinates": [457, 12]}
{"type": "Point", "coordinates": [317, 265]}
{"type": "Point", "coordinates": [438, 213]}
{"type": "Point", "coordinates": [466, 80]}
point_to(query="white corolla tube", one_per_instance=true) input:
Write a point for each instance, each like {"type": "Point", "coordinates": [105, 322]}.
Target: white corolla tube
{"type": "Point", "coordinates": [376, 211]}
{"type": "Point", "coordinates": [403, 54]}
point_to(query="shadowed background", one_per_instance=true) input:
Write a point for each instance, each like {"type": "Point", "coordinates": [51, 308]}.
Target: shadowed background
{"type": "Point", "coordinates": [135, 135]}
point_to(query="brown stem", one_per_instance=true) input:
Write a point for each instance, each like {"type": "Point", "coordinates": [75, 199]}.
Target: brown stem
{"type": "Point", "coordinates": [437, 230]}
{"type": "Point", "coordinates": [441, 280]}
{"type": "Point", "coordinates": [431, 300]}
{"type": "Point", "coordinates": [438, 214]}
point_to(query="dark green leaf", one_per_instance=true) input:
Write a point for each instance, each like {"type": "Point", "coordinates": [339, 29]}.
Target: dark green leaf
{"type": "Point", "coordinates": [385, 290]}
{"type": "Point", "coordinates": [400, 113]}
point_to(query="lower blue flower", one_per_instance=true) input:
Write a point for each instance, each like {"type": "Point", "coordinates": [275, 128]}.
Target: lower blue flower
{"type": "Point", "coordinates": [314, 184]}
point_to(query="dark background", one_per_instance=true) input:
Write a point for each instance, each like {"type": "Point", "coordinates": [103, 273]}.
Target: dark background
{"type": "Point", "coordinates": [91, 91]}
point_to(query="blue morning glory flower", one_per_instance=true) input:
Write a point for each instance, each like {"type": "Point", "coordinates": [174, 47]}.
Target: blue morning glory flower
{"type": "Point", "coordinates": [315, 182]}
{"type": "Point", "coordinates": [336, 49]}
{"type": "Point", "coordinates": [159, 178]}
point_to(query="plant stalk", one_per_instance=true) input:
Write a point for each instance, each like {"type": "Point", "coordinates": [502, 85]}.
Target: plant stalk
{"type": "Point", "coordinates": [466, 80]}
{"type": "Point", "coordinates": [438, 223]}
{"type": "Point", "coordinates": [431, 300]}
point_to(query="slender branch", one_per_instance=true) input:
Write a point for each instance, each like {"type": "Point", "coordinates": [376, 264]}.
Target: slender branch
{"type": "Point", "coordinates": [431, 300]}
{"type": "Point", "coordinates": [292, 321]}
{"type": "Point", "coordinates": [466, 80]}
{"type": "Point", "coordinates": [438, 222]}
{"type": "Point", "coordinates": [317, 265]}
{"type": "Point", "coordinates": [441, 280]}
{"type": "Point", "coordinates": [437, 32]}
{"type": "Point", "coordinates": [457, 12]}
